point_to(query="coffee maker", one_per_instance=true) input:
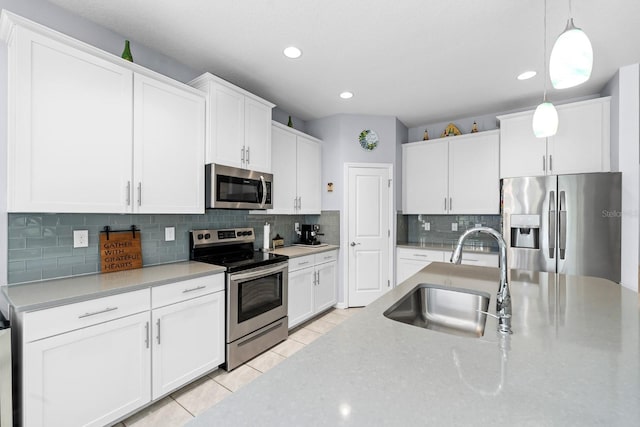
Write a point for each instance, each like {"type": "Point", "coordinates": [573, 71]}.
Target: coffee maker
{"type": "Point", "coordinates": [308, 234]}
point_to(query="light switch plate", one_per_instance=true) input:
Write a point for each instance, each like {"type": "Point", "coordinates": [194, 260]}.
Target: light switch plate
{"type": "Point", "coordinates": [478, 225]}
{"type": "Point", "coordinates": [454, 226]}
{"type": "Point", "coordinates": [427, 226]}
{"type": "Point", "coordinates": [169, 234]}
{"type": "Point", "coordinates": [80, 238]}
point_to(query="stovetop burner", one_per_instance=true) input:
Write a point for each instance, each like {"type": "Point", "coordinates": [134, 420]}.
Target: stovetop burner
{"type": "Point", "coordinates": [231, 248]}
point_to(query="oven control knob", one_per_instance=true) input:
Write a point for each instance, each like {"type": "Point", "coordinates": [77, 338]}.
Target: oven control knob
{"type": "Point", "coordinates": [207, 236]}
{"type": "Point", "coordinates": [239, 233]}
{"type": "Point", "coordinates": [200, 236]}
{"type": "Point", "coordinates": [249, 233]}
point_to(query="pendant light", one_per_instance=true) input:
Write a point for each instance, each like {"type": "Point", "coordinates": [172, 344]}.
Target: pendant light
{"type": "Point", "coordinates": [571, 57]}
{"type": "Point", "coordinates": [545, 118]}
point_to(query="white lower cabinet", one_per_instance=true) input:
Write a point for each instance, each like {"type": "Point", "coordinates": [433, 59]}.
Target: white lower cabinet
{"type": "Point", "coordinates": [188, 340]}
{"type": "Point", "coordinates": [409, 261]}
{"type": "Point", "coordinates": [312, 286]}
{"type": "Point", "coordinates": [93, 362]}
{"type": "Point", "coordinates": [89, 376]}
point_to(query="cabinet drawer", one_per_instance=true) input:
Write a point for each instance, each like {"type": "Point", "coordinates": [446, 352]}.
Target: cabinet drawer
{"type": "Point", "coordinates": [421, 254]}
{"type": "Point", "coordinates": [53, 321]}
{"type": "Point", "coordinates": [187, 289]}
{"type": "Point", "coordinates": [301, 262]}
{"type": "Point", "coordinates": [326, 257]}
{"type": "Point", "coordinates": [486, 260]}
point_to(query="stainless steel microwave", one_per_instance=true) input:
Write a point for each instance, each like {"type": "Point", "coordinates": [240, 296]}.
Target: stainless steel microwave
{"type": "Point", "coordinates": [234, 188]}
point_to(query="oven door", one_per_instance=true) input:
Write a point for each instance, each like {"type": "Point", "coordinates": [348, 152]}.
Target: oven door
{"type": "Point", "coordinates": [256, 298]}
{"type": "Point", "coordinates": [234, 188]}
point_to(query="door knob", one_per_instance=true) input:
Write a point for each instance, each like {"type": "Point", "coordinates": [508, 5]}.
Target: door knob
{"type": "Point", "coordinates": [354, 243]}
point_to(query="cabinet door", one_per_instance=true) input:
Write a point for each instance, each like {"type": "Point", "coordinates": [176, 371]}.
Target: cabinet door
{"type": "Point", "coordinates": [309, 162]}
{"type": "Point", "coordinates": [91, 376]}
{"type": "Point", "coordinates": [300, 296]}
{"type": "Point", "coordinates": [284, 171]}
{"type": "Point", "coordinates": [227, 126]}
{"type": "Point", "coordinates": [70, 132]}
{"type": "Point", "coordinates": [188, 340]}
{"type": "Point", "coordinates": [257, 137]}
{"type": "Point", "coordinates": [424, 178]}
{"type": "Point", "coordinates": [407, 268]}
{"type": "Point", "coordinates": [168, 148]}
{"type": "Point", "coordinates": [325, 290]}
{"type": "Point", "coordinates": [581, 144]}
{"type": "Point", "coordinates": [521, 153]}
{"type": "Point", "coordinates": [474, 178]}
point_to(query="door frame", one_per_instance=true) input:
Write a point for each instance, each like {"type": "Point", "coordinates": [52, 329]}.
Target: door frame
{"type": "Point", "coordinates": [344, 225]}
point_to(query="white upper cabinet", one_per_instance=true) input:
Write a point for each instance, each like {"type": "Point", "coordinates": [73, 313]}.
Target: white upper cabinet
{"type": "Point", "coordinates": [168, 148]}
{"type": "Point", "coordinates": [238, 125]}
{"type": "Point", "coordinates": [297, 172]}
{"type": "Point", "coordinates": [581, 145]}
{"type": "Point", "coordinates": [455, 175]}
{"type": "Point", "coordinates": [82, 138]}
{"type": "Point", "coordinates": [69, 136]}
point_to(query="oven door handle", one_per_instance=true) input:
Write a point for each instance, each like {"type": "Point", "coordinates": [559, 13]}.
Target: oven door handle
{"type": "Point", "coordinates": [258, 272]}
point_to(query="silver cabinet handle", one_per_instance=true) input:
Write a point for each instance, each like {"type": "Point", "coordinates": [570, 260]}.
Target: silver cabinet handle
{"type": "Point", "coordinates": [421, 255]}
{"type": "Point", "coordinates": [303, 263]}
{"type": "Point", "coordinates": [197, 288]}
{"type": "Point", "coordinates": [106, 310]}
{"type": "Point", "coordinates": [445, 204]}
{"type": "Point", "coordinates": [314, 278]}
{"type": "Point", "coordinates": [140, 194]}
{"type": "Point", "coordinates": [158, 325]}
{"type": "Point", "coordinates": [248, 148]}
{"type": "Point", "coordinates": [544, 164]}
{"type": "Point", "coordinates": [146, 340]}
{"type": "Point", "coordinates": [550, 162]}
{"type": "Point", "coordinates": [562, 226]}
{"type": "Point", "coordinates": [242, 155]}
{"type": "Point", "coordinates": [128, 193]}
{"type": "Point", "coordinates": [300, 202]}
{"type": "Point", "coordinates": [450, 203]}
{"type": "Point", "coordinates": [552, 223]}
{"type": "Point", "coordinates": [318, 278]}
{"type": "Point", "coordinates": [354, 243]}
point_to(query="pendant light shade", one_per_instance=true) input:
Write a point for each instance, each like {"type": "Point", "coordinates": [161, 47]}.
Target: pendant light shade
{"type": "Point", "coordinates": [571, 58]}
{"type": "Point", "coordinates": [545, 120]}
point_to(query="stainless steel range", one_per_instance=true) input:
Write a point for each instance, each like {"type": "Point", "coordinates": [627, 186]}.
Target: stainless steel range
{"type": "Point", "coordinates": [256, 290]}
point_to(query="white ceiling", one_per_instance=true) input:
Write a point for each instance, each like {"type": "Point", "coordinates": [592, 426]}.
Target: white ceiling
{"type": "Point", "coordinates": [423, 61]}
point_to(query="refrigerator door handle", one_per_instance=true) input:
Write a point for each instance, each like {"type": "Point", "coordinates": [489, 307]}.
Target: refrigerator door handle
{"type": "Point", "coordinates": [562, 227]}
{"type": "Point", "coordinates": [552, 223]}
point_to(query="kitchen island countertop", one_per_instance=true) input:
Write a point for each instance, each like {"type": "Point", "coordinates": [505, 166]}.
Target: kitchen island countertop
{"type": "Point", "coordinates": [573, 359]}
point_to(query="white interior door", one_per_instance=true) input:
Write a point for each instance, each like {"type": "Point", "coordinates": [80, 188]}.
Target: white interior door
{"type": "Point", "coordinates": [369, 231]}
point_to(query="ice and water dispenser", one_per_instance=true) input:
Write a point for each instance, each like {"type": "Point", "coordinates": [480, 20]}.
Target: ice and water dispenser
{"type": "Point", "coordinates": [525, 231]}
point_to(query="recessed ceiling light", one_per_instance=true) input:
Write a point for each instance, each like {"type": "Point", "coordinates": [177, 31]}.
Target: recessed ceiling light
{"type": "Point", "coordinates": [292, 52]}
{"type": "Point", "coordinates": [527, 75]}
{"type": "Point", "coordinates": [346, 95]}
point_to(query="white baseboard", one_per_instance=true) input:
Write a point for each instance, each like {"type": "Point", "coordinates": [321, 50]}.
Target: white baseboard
{"type": "Point", "coordinates": [341, 305]}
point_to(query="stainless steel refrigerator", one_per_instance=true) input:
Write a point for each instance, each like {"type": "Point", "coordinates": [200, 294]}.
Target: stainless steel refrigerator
{"type": "Point", "coordinates": [567, 224]}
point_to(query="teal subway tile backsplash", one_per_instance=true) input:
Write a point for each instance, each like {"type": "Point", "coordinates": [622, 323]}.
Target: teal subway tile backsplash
{"type": "Point", "coordinates": [40, 246]}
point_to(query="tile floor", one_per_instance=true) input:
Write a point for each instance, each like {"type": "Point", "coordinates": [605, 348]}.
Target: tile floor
{"type": "Point", "coordinates": [184, 404]}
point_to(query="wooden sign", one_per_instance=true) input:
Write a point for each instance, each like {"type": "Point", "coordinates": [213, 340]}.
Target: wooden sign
{"type": "Point", "coordinates": [120, 250]}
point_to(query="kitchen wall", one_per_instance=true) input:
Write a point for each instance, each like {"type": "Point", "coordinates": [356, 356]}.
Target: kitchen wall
{"type": "Point", "coordinates": [624, 90]}
{"type": "Point", "coordinates": [40, 246]}
{"type": "Point", "coordinates": [440, 229]}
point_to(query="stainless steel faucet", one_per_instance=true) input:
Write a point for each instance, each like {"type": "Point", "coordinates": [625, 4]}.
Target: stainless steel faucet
{"type": "Point", "coordinates": [503, 304]}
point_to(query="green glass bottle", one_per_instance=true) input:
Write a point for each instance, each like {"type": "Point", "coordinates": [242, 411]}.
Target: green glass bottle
{"type": "Point", "coordinates": [126, 53]}
{"type": "Point", "coordinates": [290, 123]}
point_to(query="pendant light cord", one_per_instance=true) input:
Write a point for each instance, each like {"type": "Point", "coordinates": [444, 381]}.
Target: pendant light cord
{"type": "Point", "coordinates": [544, 51]}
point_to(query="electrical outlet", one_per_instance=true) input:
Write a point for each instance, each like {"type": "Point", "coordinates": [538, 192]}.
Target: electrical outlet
{"type": "Point", "coordinates": [169, 234]}
{"type": "Point", "coordinates": [80, 238]}
{"type": "Point", "coordinates": [297, 226]}
{"type": "Point", "coordinates": [454, 226]}
{"type": "Point", "coordinates": [426, 226]}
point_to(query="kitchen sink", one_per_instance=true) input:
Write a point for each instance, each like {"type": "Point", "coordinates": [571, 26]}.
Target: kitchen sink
{"type": "Point", "coordinates": [444, 309]}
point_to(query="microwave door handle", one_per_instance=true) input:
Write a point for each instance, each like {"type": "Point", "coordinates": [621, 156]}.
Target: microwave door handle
{"type": "Point", "coordinates": [552, 223]}
{"type": "Point", "coordinates": [264, 191]}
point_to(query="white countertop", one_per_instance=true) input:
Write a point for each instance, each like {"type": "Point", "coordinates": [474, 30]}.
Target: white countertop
{"type": "Point", "coordinates": [449, 247]}
{"type": "Point", "coordinates": [573, 359]}
{"type": "Point", "coordinates": [50, 293]}
{"type": "Point", "coordinates": [298, 251]}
